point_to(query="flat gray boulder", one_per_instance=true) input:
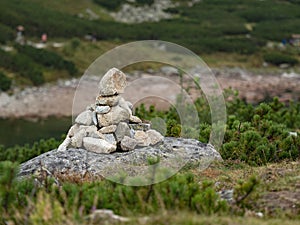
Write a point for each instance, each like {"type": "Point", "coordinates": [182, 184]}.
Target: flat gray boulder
{"type": "Point", "coordinates": [172, 155]}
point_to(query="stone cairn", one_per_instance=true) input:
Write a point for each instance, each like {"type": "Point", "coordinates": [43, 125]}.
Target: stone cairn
{"type": "Point", "coordinates": [108, 125]}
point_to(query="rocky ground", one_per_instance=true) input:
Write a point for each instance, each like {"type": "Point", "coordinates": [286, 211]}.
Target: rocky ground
{"type": "Point", "coordinates": [57, 99]}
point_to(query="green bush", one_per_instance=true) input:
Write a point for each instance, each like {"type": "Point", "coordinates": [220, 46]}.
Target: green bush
{"type": "Point", "coordinates": [47, 58]}
{"type": "Point", "coordinates": [255, 134]}
{"type": "Point", "coordinates": [145, 2]}
{"type": "Point", "coordinates": [181, 192]}
{"type": "Point", "coordinates": [35, 75]}
{"type": "Point", "coordinates": [277, 58]}
{"type": "Point", "coordinates": [110, 5]}
{"type": "Point", "coordinates": [5, 82]}
{"type": "Point", "coordinates": [23, 153]}
{"type": "Point", "coordinates": [6, 34]}
{"type": "Point", "coordinates": [8, 172]}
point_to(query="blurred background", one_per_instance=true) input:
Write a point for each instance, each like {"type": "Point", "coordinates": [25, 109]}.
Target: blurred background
{"type": "Point", "coordinates": [252, 46]}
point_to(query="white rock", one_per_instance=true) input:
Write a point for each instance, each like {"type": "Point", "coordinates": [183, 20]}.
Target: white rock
{"type": "Point", "coordinates": [108, 100]}
{"type": "Point", "coordinates": [64, 146]}
{"type": "Point", "coordinates": [128, 144]}
{"type": "Point", "coordinates": [123, 104]}
{"type": "Point", "coordinates": [293, 134]}
{"type": "Point", "coordinates": [260, 214]}
{"type": "Point", "coordinates": [91, 131]}
{"type": "Point", "coordinates": [129, 105]}
{"type": "Point", "coordinates": [110, 138]}
{"type": "Point", "coordinates": [154, 136]}
{"type": "Point", "coordinates": [142, 138]}
{"type": "Point", "coordinates": [73, 130]}
{"type": "Point", "coordinates": [100, 215]}
{"type": "Point", "coordinates": [84, 118]}
{"type": "Point", "coordinates": [112, 83]}
{"type": "Point", "coordinates": [108, 129]}
{"type": "Point", "coordinates": [122, 131]}
{"type": "Point", "coordinates": [115, 116]}
{"type": "Point", "coordinates": [102, 109]}
{"type": "Point", "coordinates": [76, 140]}
{"type": "Point", "coordinates": [135, 119]}
{"type": "Point", "coordinates": [98, 145]}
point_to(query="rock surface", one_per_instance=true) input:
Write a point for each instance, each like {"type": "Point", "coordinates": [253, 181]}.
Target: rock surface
{"type": "Point", "coordinates": [128, 13]}
{"type": "Point", "coordinates": [79, 161]}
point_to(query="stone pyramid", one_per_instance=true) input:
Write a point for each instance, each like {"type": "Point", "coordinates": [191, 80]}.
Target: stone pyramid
{"type": "Point", "coordinates": [108, 125]}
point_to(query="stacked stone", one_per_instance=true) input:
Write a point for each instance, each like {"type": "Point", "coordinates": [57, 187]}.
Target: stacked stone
{"type": "Point", "coordinates": [109, 125]}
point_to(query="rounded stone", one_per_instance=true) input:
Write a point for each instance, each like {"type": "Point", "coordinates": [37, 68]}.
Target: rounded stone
{"type": "Point", "coordinates": [115, 116]}
{"type": "Point", "coordinates": [108, 129]}
{"type": "Point", "coordinates": [122, 131]}
{"type": "Point", "coordinates": [98, 145]}
{"type": "Point", "coordinates": [112, 83]}
{"type": "Point", "coordinates": [128, 144]}
{"type": "Point", "coordinates": [142, 138]}
{"type": "Point", "coordinates": [76, 140]}
{"type": "Point", "coordinates": [154, 136]}
{"type": "Point", "coordinates": [110, 138]}
{"type": "Point", "coordinates": [84, 118]}
{"type": "Point", "coordinates": [135, 119]}
{"type": "Point", "coordinates": [102, 109]}
{"type": "Point", "coordinates": [108, 100]}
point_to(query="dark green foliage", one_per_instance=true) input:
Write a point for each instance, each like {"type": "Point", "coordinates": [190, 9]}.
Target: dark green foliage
{"type": "Point", "coordinates": [23, 153]}
{"type": "Point", "coordinates": [181, 192]}
{"type": "Point", "coordinates": [47, 58]}
{"type": "Point", "coordinates": [6, 34]}
{"type": "Point", "coordinates": [208, 26]}
{"type": "Point", "coordinates": [243, 192]}
{"type": "Point", "coordinates": [145, 2]}
{"type": "Point", "coordinates": [30, 63]}
{"type": "Point", "coordinates": [254, 134]}
{"type": "Point", "coordinates": [277, 58]}
{"type": "Point", "coordinates": [258, 139]}
{"type": "Point", "coordinates": [8, 171]}
{"type": "Point", "coordinates": [23, 65]}
{"type": "Point", "coordinates": [5, 82]}
{"type": "Point", "coordinates": [207, 201]}
{"type": "Point", "coordinates": [112, 5]}
{"type": "Point", "coordinates": [35, 75]}
{"type": "Point", "coordinates": [17, 12]}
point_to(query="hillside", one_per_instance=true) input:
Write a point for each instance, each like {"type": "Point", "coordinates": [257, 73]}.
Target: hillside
{"type": "Point", "coordinates": [205, 25]}
{"type": "Point", "coordinates": [249, 31]}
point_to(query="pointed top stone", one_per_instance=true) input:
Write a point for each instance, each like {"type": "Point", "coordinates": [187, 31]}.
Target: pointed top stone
{"type": "Point", "coordinates": [112, 83]}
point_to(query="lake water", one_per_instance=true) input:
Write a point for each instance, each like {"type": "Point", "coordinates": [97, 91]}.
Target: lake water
{"type": "Point", "coordinates": [21, 131]}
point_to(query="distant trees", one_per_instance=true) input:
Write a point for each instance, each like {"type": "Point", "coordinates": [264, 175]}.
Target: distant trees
{"type": "Point", "coordinates": [30, 63]}
{"type": "Point", "coordinates": [277, 58]}
{"type": "Point", "coordinates": [5, 82]}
